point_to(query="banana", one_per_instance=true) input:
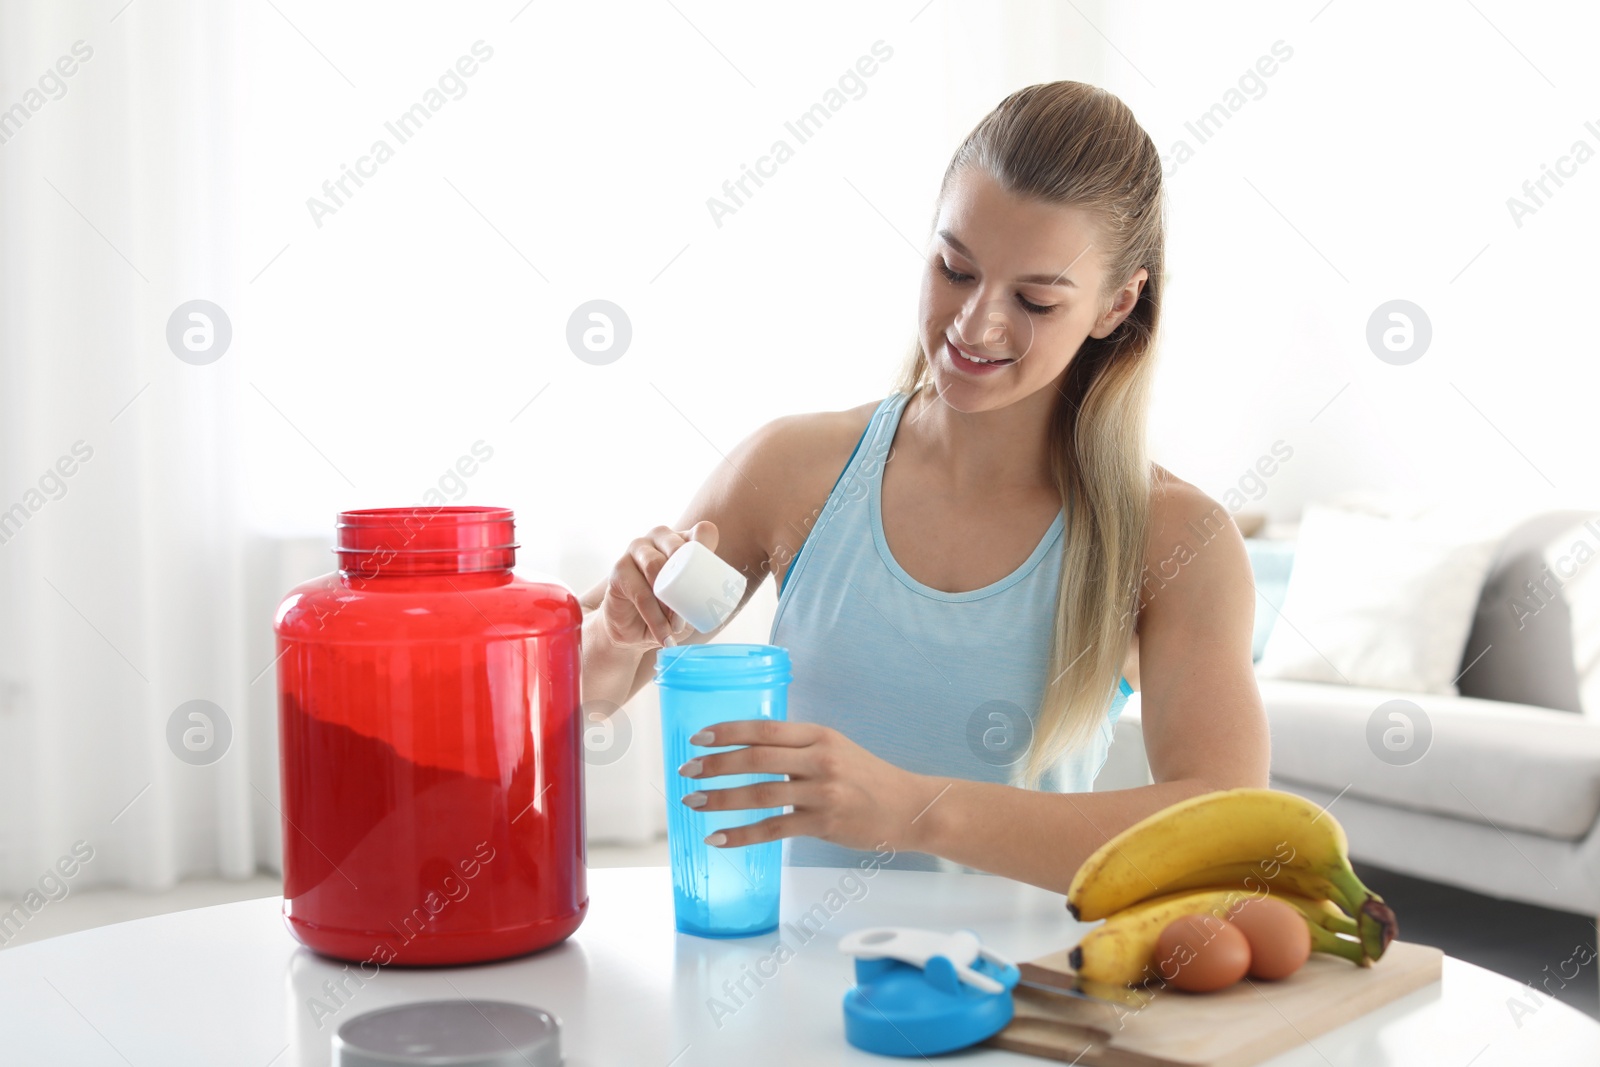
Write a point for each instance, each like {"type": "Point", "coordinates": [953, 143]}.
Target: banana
{"type": "Point", "coordinates": [1121, 950]}
{"type": "Point", "coordinates": [1224, 837]}
{"type": "Point", "coordinates": [1291, 884]}
{"type": "Point", "coordinates": [1258, 877]}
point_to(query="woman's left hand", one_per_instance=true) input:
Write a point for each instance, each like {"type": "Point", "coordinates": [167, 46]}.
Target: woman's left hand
{"type": "Point", "coordinates": [839, 791]}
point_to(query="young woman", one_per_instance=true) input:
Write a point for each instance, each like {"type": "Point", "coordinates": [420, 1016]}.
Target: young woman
{"type": "Point", "coordinates": [974, 569]}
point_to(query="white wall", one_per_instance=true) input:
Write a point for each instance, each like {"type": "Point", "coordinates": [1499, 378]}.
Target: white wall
{"type": "Point", "coordinates": [406, 327]}
{"type": "Point", "coordinates": [1376, 165]}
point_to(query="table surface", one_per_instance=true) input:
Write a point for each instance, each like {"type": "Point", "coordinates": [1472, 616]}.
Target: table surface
{"type": "Point", "coordinates": [229, 985]}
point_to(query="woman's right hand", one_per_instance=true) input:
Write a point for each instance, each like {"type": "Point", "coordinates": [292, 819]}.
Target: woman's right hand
{"type": "Point", "coordinates": [632, 616]}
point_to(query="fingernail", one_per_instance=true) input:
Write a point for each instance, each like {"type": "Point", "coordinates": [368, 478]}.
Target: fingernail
{"type": "Point", "coordinates": [690, 769]}
{"type": "Point", "coordinates": [718, 838]}
{"type": "Point", "coordinates": [696, 799]}
{"type": "Point", "coordinates": [701, 738]}
{"type": "Point", "coordinates": [667, 643]}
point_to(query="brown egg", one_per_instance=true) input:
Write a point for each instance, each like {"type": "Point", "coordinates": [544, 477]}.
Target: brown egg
{"type": "Point", "coordinates": [1201, 953]}
{"type": "Point", "coordinates": [1280, 940]}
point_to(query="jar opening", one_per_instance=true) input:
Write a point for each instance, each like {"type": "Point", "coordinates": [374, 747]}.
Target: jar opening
{"type": "Point", "coordinates": [393, 542]}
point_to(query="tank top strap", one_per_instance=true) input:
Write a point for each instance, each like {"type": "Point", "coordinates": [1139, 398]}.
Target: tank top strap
{"type": "Point", "coordinates": [878, 438]}
{"type": "Point", "coordinates": [860, 471]}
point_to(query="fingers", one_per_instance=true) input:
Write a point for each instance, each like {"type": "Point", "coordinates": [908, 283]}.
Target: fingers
{"type": "Point", "coordinates": [650, 552]}
{"type": "Point", "coordinates": [650, 611]}
{"type": "Point", "coordinates": [778, 794]}
{"type": "Point", "coordinates": [802, 761]}
{"type": "Point", "coordinates": [705, 531]}
{"type": "Point", "coordinates": [633, 587]}
{"type": "Point", "coordinates": [653, 555]}
{"type": "Point", "coordinates": [633, 579]}
{"type": "Point", "coordinates": [758, 732]}
{"type": "Point", "coordinates": [793, 824]}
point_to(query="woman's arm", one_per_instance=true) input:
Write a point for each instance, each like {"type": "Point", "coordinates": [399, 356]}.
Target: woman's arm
{"type": "Point", "coordinates": [1204, 724]}
{"type": "Point", "coordinates": [740, 497]}
{"type": "Point", "coordinates": [1204, 728]}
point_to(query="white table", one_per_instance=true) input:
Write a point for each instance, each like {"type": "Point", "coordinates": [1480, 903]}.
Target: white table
{"type": "Point", "coordinates": [229, 986]}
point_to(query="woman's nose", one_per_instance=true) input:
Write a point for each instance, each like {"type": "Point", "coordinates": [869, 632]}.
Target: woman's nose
{"type": "Point", "coordinates": [987, 324]}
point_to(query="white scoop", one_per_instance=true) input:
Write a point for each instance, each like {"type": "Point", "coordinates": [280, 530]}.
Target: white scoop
{"type": "Point", "coordinates": [697, 584]}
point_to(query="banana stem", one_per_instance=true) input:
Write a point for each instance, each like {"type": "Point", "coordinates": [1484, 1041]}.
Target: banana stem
{"type": "Point", "coordinates": [1376, 924]}
{"type": "Point", "coordinates": [1345, 894]}
{"type": "Point", "coordinates": [1327, 918]}
{"type": "Point", "coordinates": [1323, 940]}
{"type": "Point", "coordinates": [1342, 924]}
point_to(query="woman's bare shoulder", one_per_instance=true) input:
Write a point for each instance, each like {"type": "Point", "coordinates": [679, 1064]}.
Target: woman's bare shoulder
{"type": "Point", "coordinates": [1179, 508]}
{"type": "Point", "coordinates": [797, 458]}
{"type": "Point", "coordinates": [1190, 531]}
{"type": "Point", "coordinates": [803, 453]}
{"type": "Point", "coordinates": [1168, 491]}
{"type": "Point", "coordinates": [812, 440]}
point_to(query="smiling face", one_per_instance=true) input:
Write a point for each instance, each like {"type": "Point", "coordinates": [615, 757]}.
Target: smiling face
{"type": "Point", "coordinates": [1016, 281]}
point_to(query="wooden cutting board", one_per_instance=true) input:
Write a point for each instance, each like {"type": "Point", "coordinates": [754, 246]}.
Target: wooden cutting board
{"type": "Point", "coordinates": [1234, 1027]}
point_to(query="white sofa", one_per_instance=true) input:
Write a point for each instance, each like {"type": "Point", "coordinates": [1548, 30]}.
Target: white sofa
{"type": "Point", "coordinates": [1505, 798]}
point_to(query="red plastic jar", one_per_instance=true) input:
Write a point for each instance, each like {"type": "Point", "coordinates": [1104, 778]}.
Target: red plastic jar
{"type": "Point", "coordinates": [431, 745]}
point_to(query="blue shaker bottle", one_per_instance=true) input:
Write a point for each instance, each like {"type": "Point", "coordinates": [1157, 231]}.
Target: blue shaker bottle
{"type": "Point", "coordinates": [719, 892]}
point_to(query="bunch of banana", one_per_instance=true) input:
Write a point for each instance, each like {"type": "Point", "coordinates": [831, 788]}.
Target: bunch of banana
{"type": "Point", "coordinates": [1121, 950]}
{"type": "Point", "coordinates": [1243, 841]}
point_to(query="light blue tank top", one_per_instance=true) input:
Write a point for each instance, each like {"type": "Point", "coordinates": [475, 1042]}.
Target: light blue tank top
{"type": "Point", "coordinates": [944, 684]}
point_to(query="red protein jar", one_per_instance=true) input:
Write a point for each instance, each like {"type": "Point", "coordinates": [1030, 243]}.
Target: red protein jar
{"type": "Point", "coordinates": [431, 745]}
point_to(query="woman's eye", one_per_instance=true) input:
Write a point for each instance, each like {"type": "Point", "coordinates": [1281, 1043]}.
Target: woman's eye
{"type": "Point", "coordinates": [1027, 305]}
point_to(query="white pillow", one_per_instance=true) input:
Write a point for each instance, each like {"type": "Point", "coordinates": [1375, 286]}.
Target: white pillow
{"type": "Point", "coordinates": [1380, 601]}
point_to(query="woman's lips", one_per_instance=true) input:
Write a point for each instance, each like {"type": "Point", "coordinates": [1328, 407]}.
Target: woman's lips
{"type": "Point", "coordinates": [966, 366]}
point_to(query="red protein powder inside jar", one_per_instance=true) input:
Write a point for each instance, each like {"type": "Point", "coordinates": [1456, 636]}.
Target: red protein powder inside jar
{"type": "Point", "coordinates": [431, 756]}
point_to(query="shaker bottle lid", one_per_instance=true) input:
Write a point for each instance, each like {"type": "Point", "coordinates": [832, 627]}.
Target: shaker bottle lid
{"type": "Point", "coordinates": [722, 665]}
{"type": "Point", "coordinates": [451, 1033]}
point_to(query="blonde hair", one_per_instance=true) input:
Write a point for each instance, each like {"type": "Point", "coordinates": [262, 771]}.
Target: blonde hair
{"type": "Point", "coordinates": [1069, 143]}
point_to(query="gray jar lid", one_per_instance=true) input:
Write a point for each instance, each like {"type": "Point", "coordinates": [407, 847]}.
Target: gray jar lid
{"type": "Point", "coordinates": [450, 1033]}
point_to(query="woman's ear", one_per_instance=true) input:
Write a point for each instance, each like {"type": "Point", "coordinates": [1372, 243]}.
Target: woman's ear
{"type": "Point", "coordinates": [1122, 305]}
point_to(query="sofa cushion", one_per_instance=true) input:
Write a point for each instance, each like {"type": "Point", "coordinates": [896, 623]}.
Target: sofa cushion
{"type": "Point", "coordinates": [1510, 766]}
{"type": "Point", "coordinates": [1538, 621]}
{"type": "Point", "coordinates": [1380, 601]}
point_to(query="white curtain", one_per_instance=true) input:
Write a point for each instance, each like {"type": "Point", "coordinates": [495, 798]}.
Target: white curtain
{"type": "Point", "coordinates": [123, 580]}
